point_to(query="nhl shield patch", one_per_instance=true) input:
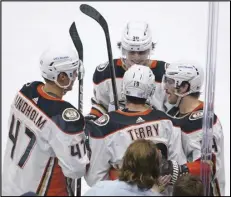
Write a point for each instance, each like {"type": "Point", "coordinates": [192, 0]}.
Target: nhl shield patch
{"type": "Point", "coordinates": [196, 115]}
{"type": "Point", "coordinates": [70, 114]}
{"type": "Point", "coordinates": [103, 120]}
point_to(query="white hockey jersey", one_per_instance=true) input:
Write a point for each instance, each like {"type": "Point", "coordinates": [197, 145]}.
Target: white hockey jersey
{"type": "Point", "coordinates": [46, 144]}
{"type": "Point", "coordinates": [103, 100]}
{"type": "Point", "coordinates": [112, 133]}
{"type": "Point", "coordinates": [192, 134]}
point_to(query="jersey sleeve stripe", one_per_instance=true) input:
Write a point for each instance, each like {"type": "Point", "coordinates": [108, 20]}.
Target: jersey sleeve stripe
{"type": "Point", "coordinates": [44, 180]}
{"type": "Point", "coordinates": [217, 188]}
{"type": "Point", "coordinates": [56, 180]}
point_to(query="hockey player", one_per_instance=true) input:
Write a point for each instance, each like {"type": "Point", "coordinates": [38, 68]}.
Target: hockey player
{"type": "Point", "coordinates": [183, 82]}
{"type": "Point", "coordinates": [136, 47]}
{"type": "Point", "coordinates": [46, 138]}
{"type": "Point", "coordinates": [112, 133]}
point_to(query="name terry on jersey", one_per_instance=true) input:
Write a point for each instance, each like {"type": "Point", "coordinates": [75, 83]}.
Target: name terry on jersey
{"type": "Point", "coordinates": [30, 111]}
{"type": "Point", "coordinates": [144, 131]}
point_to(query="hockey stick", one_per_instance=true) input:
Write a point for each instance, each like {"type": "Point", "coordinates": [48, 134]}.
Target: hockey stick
{"type": "Point", "coordinates": [93, 13]}
{"type": "Point", "coordinates": [79, 47]}
{"type": "Point", "coordinates": [210, 79]}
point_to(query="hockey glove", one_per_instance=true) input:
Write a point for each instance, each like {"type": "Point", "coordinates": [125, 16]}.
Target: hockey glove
{"type": "Point", "coordinates": [171, 167]}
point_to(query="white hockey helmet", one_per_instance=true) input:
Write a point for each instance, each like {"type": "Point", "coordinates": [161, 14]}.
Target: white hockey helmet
{"type": "Point", "coordinates": [54, 61]}
{"type": "Point", "coordinates": [137, 37]}
{"type": "Point", "coordinates": [138, 81]}
{"type": "Point", "coordinates": [136, 44]}
{"type": "Point", "coordinates": [182, 71]}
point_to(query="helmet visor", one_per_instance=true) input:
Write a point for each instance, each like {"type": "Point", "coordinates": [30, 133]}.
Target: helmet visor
{"type": "Point", "coordinates": [168, 82]}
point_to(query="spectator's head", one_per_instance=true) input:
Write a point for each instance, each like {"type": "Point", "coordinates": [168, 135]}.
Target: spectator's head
{"type": "Point", "coordinates": [141, 164]}
{"type": "Point", "coordinates": [188, 185]}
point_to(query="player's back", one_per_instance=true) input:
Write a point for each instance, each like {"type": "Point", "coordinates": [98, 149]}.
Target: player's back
{"type": "Point", "coordinates": [30, 162]}
{"type": "Point", "coordinates": [112, 133]}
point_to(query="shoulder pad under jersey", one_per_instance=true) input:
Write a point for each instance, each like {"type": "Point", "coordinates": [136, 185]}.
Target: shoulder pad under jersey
{"type": "Point", "coordinates": [30, 89]}
{"type": "Point", "coordinates": [62, 113]}
{"type": "Point", "coordinates": [98, 128]}
{"type": "Point", "coordinates": [102, 72]}
{"type": "Point", "coordinates": [68, 118]}
{"type": "Point", "coordinates": [158, 69]}
{"type": "Point", "coordinates": [192, 122]}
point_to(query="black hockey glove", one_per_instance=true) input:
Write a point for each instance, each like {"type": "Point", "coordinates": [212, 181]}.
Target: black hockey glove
{"type": "Point", "coordinates": [171, 167]}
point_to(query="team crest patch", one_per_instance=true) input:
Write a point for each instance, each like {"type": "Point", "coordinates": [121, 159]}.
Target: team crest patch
{"type": "Point", "coordinates": [196, 115]}
{"type": "Point", "coordinates": [102, 67]}
{"type": "Point", "coordinates": [70, 114]}
{"type": "Point", "coordinates": [103, 120]}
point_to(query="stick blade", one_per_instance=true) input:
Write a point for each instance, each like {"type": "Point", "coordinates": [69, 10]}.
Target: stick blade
{"type": "Point", "coordinates": [93, 13]}
{"type": "Point", "coordinates": [76, 40]}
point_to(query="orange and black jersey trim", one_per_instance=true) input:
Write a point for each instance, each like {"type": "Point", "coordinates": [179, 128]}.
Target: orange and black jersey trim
{"type": "Point", "coordinates": [100, 75]}
{"type": "Point", "coordinates": [190, 122]}
{"type": "Point", "coordinates": [52, 107]}
{"type": "Point", "coordinates": [53, 182]}
{"type": "Point", "coordinates": [117, 120]}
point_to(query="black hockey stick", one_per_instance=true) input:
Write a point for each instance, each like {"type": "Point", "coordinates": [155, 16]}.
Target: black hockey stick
{"type": "Point", "coordinates": [93, 13]}
{"type": "Point", "coordinates": [79, 47]}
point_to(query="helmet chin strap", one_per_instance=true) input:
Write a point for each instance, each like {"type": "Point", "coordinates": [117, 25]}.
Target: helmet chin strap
{"type": "Point", "coordinates": [63, 87]}
{"type": "Point", "coordinates": [180, 96]}
{"type": "Point", "coordinates": [178, 101]}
